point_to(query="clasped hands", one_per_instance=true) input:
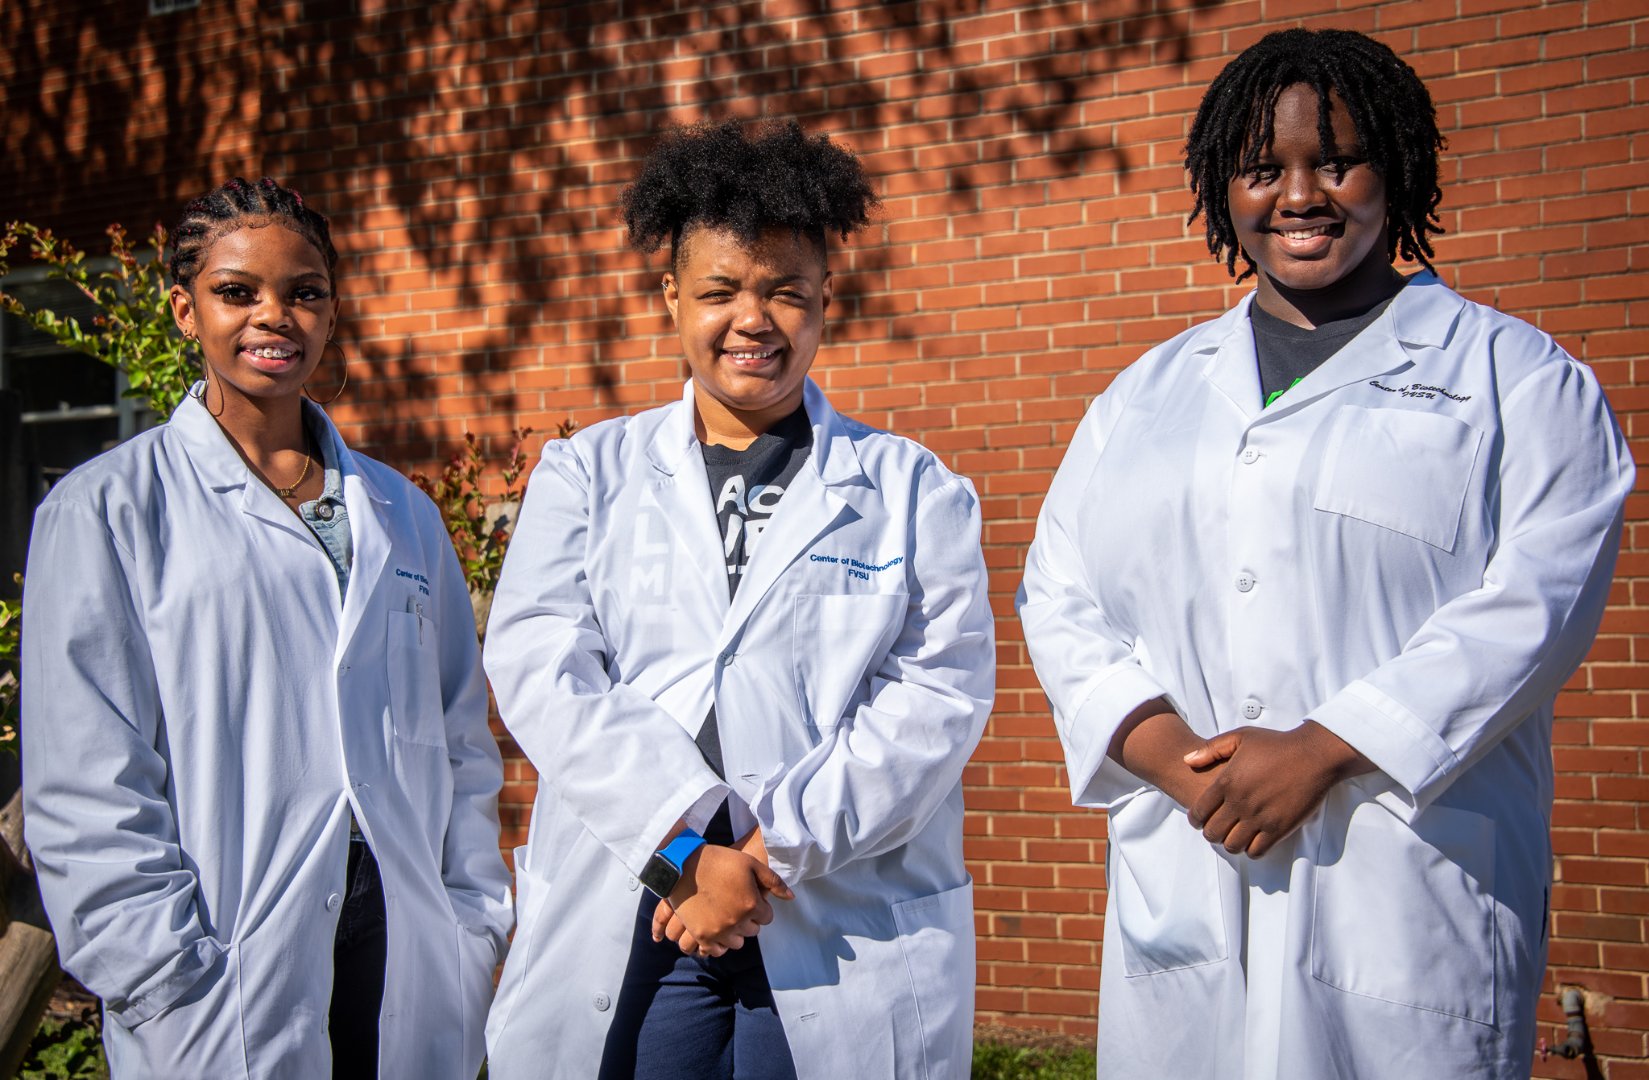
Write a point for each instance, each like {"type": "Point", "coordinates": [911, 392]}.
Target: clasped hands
{"type": "Point", "coordinates": [1247, 789]}
{"type": "Point", "coordinates": [721, 898]}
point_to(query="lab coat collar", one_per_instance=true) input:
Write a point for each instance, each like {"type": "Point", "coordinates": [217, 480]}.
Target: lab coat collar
{"type": "Point", "coordinates": [208, 447]}
{"type": "Point", "coordinates": [1426, 312]}
{"type": "Point", "coordinates": [223, 470]}
{"type": "Point", "coordinates": [222, 467]}
{"type": "Point", "coordinates": [834, 457]}
{"type": "Point", "coordinates": [369, 533]}
{"type": "Point", "coordinates": [831, 484]}
{"type": "Point", "coordinates": [316, 417]}
{"type": "Point", "coordinates": [823, 493]}
{"type": "Point", "coordinates": [1232, 365]}
{"type": "Point", "coordinates": [681, 490]}
{"type": "Point", "coordinates": [1421, 316]}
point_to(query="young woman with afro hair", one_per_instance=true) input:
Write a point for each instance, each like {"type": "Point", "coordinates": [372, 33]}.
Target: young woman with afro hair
{"type": "Point", "coordinates": [1302, 594]}
{"type": "Point", "coordinates": [746, 643]}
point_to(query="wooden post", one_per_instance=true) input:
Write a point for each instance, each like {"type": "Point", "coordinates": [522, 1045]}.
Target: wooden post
{"type": "Point", "coordinates": [28, 955]}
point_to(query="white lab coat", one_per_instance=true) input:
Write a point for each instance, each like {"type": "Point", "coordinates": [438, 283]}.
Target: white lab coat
{"type": "Point", "coordinates": [1413, 547]}
{"type": "Point", "coordinates": [200, 716]}
{"type": "Point", "coordinates": [852, 676]}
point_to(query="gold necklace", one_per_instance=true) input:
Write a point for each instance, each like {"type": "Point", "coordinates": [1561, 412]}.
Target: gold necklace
{"type": "Point", "coordinates": [287, 492]}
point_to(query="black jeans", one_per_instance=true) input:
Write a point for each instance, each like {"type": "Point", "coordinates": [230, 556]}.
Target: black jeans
{"type": "Point", "coordinates": [359, 952]}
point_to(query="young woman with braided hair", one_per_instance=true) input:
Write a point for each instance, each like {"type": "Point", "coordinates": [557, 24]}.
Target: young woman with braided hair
{"type": "Point", "coordinates": [1302, 594]}
{"type": "Point", "coordinates": [745, 859]}
{"type": "Point", "coordinates": [260, 786]}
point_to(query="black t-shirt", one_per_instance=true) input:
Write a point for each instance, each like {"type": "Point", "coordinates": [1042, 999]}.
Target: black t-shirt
{"type": "Point", "coordinates": [745, 487]}
{"type": "Point", "coordinates": [1288, 353]}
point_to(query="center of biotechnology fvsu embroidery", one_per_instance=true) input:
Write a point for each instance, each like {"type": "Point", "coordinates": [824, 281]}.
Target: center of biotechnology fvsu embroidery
{"type": "Point", "coordinates": [747, 486]}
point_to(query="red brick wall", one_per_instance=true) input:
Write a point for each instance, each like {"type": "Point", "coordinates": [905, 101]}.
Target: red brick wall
{"type": "Point", "coordinates": [1033, 242]}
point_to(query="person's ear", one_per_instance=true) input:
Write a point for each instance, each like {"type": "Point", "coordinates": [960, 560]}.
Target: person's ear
{"type": "Point", "coordinates": [827, 290]}
{"type": "Point", "coordinates": [672, 294]}
{"type": "Point", "coordinates": [183, 310]}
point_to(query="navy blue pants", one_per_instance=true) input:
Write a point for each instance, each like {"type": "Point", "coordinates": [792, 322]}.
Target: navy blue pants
{"type": "Point", "coordinates": [682, 1018]}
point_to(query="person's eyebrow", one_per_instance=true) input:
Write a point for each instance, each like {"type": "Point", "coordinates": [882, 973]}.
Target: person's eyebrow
{"type": "Point", "coordinates": [235, 271]}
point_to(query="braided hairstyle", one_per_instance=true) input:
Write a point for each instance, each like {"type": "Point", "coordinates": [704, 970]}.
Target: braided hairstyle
{"type": "Point", "coordinates": [220, 212]}
{"type": "Point", "coordinates": [1389, 106]}
{"type": "Point", "coordinates": [724, 176]}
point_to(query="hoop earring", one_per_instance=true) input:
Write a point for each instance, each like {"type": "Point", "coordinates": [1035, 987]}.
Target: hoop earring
{"type": "Point", "coordinates": [331, 344]}
{"type": "Point", "coordinates": [204, 397]}
{"type": "Point", "coordinates": [206, 393]}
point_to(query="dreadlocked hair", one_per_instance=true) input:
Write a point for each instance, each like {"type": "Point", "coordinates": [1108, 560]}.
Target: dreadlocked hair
{"type": "Point", "coordinates": [1389, 106]}
{"type": "Point", "coordinates": [219, 212]}
{"type": "Point", "coordinates": [724, 176]}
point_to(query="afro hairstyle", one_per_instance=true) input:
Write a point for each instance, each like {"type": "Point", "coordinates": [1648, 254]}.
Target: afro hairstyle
{"type": "Point", "coordinates": [746, 180]}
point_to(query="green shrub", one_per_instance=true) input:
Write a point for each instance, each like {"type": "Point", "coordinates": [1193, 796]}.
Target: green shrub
{"type": "Point", "coordinates": [133, 330]}
{"type": "Point", "coordinates": [994, 1061]}
{"type": "Point", "coordinates": [480, 542]}
{"type": "Point", "coordinates": [65, 1050]}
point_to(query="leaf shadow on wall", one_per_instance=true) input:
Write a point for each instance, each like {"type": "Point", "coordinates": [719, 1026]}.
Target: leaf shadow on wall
{"type": "Point", "coordinates": [471, 155]}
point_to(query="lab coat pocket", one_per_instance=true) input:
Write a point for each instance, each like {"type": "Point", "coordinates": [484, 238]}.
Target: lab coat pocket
{"type": "Point", "coordinates": [1405, 913]}
{"type": "Point", "coordinates": [1401, 470]}
{"type": "Point", "coordinates": [936, 936]}
{"type": "Point", "coordinates": [840, 640]}
{"type": "Point", "coordinates": [1164, 881]}
{"type": "Point", "coordinates": [415, 679]}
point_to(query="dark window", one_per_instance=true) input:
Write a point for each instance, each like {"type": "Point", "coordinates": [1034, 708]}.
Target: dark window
{"type": "Point", "coordinates": [58, 409]}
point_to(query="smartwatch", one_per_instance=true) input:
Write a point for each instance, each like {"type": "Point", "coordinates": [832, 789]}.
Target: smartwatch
{"type": "Point", "coordinates": [663, 870]}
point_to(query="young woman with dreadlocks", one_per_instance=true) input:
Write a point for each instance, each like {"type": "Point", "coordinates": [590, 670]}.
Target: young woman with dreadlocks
{"type": "Point", "coordinates": [746, 643]}
{"type": "Point", "coordinates": [1302, 594]}
{"type": "Point", "coordinates": [260, 788]}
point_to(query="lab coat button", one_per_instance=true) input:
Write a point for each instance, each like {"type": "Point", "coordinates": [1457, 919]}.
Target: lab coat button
{"type": "Point", "coordinates": [334, 902]}
{"type": "Point", "coordinates": [1251, 709]}
{"type": "Point", "coordinates": [631, 883]}
{"type": "Point", "coordinates": [602, 1002]}
{"type": "Point", "coordinates": [725, 659]}
{"type": "Point", "coordinates": [1250, 456]}
{"type": "Point", "coordinates": [1245, 582]}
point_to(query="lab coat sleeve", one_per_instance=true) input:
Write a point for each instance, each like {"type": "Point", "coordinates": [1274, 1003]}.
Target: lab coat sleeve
{"type": "Point", "coordinates": [473, 871]}
{"type": "Point", "coordinates": [1487, 659]}
{"type": "Point", "coordinates": [1090, 672]}
{"type": "Point", "coordinates": [96, 816]}
{"type": "Point", "coordinates": [618, 761]}
{"type": "Point", "coordinates": [876, 783]}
